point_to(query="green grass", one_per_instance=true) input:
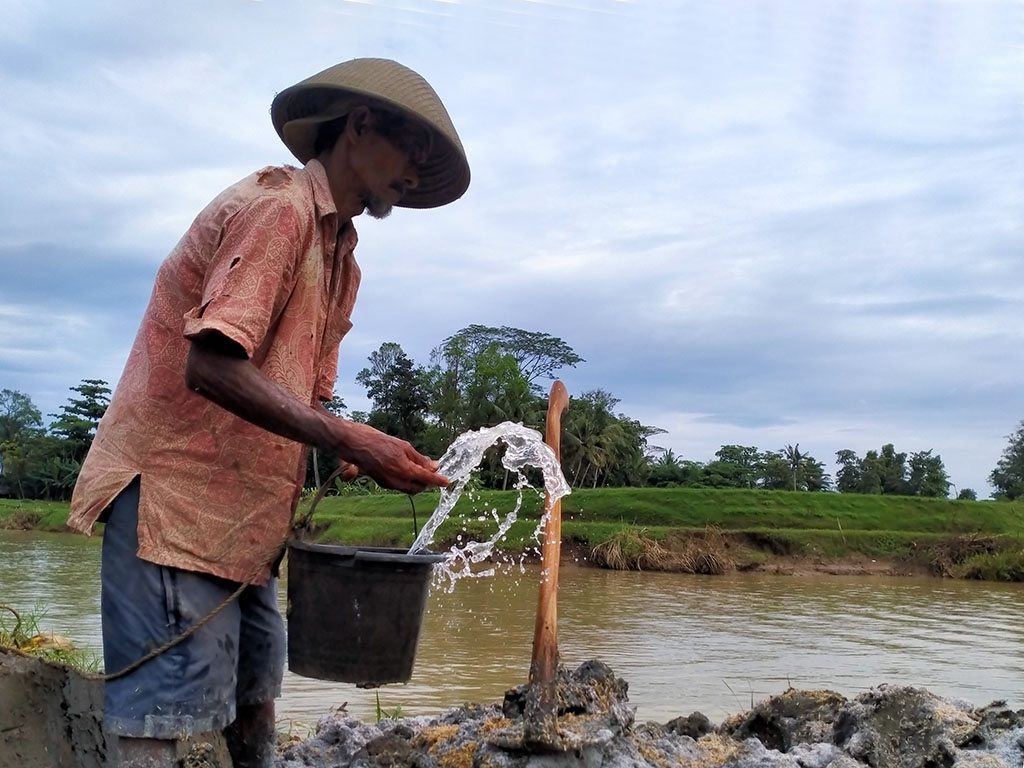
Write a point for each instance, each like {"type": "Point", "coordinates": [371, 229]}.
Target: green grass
{"type": "Point", "coordinates": [1005, 565]}
{"type": "Point", "coordinates": [28, 514]}
{"type": "Point", "coordinates": [780, 523]}
{"type": "Point", "coordinates": [24, 631]}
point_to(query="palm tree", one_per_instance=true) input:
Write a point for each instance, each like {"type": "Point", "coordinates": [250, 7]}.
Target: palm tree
{"type": "Point", "coordinates": [795, 460]}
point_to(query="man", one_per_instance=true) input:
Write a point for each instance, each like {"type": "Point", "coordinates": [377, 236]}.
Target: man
{"type": "Point", "coordinates": [197, 465]}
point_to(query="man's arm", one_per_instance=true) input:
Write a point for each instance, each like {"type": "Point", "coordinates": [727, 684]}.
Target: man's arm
{"type": "Point", "coordinates": [218, 369]}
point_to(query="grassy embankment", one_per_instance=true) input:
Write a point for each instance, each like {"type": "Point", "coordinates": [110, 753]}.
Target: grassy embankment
{"type": "Point", "coordinates": [688, 529]}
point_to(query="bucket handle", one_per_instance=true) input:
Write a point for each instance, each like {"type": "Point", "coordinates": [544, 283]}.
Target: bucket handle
{"type": "Point", "coordinates": [301, 526]}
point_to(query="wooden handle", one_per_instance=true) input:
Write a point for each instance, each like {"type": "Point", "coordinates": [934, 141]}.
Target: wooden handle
{"type": "Point", "coordinates": [539, 721]}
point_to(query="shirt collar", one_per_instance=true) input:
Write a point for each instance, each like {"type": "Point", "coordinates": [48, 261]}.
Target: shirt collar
{"type": "Point", "coordinates": [323, 200]}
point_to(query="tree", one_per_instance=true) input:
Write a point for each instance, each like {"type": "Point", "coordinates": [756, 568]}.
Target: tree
{"type": "Point", "coordinates": [76, 423]}
{"type": "Point", "coordinates": [794, 463]}
{"type": "Point", "coordinates": [537, 354]}
{"type": "Point", "coordinates": [398, 391]}
{"type": "Point", "coordinates": [815, 477]}
{"type": "Point", "coordinates": [893, 471]}
{"type": "Point", "coordinates": [38, 466]}
{"type": "Point", "coordinates": [737, 466]}
{"type": "Point", "coordinates": [871, 471]}
{"type": "Point", "coordinates": [592, 437]}
{"type": "Point", "coordinates": [665, 471]}
{"type": "Point", "coordinates": [967, 494]}
{"type": "Point", "coordinates": [20, 421]}
{"type": "Point", "coordinates": [927, 475]}
{"type": "Point", "coordinates": [18, 416]}
{"type": "Point", "coordinates": [774, 472]}
{"type": "Point", "coordinates": [497, 391]}
{"type": "Point", "coordinates": [1008, 476]}
{"type": "Point", "coordinates": [447, 380]}
{"type": "Point", "coordinates": [793, 470]}
{"type": "Point", "coordinates": [335, 406]}
{"type": "Point", "coordinates": [632, 459]}
{"type": "Point", "coordinates": [848, 478]}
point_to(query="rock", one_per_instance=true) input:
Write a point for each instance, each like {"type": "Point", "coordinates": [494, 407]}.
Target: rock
{"type": "Point", "coordinates": [887, 727]}
{"type": "Point", "coordinates": [994, 723]}
{"type": "Point", "coordinates": [694, 725]}
{"type": "Point", "coordinates": [903, 727]}
{"type": "Point", "coordinates": [793, 717]}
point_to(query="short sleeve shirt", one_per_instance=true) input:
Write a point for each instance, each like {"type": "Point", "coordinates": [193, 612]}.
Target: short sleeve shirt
{"type": "Point", "coordinates": [265, 265]}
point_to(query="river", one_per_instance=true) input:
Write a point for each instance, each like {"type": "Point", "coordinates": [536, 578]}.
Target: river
{"type": "Point", "coordinates": [684, 643]}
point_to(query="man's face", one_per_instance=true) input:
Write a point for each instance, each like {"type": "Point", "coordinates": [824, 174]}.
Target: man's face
{"type": "Point", "coordinates": [388, 163]}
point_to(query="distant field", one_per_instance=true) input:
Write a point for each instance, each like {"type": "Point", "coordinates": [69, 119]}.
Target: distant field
{"type": "Point", "coordinates": [766, 523]}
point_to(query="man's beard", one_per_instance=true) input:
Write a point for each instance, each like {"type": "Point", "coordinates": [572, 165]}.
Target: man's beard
{"type": "Point", "coordinates": [377, 207]}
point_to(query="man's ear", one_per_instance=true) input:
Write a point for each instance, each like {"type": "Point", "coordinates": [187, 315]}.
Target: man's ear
{"type": "Point", "coordinates": [359, 119]}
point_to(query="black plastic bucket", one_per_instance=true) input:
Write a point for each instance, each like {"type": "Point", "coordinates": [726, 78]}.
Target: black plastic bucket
{"type": "Point", "coordinates": [354, 613]}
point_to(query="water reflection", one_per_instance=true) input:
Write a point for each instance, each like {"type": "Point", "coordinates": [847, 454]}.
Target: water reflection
{"type": "Point", "coordinates": [683, 643]}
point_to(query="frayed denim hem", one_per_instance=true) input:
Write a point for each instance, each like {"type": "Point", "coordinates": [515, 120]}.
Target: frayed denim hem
{"type": "Point", "coordinates": [167, 727]}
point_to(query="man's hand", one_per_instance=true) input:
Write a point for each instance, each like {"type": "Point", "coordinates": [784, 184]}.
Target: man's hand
{"type": "Point", "coordinates": [391, 462]}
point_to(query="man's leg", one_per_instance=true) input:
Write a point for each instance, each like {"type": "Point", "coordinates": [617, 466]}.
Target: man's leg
{"type": "Point", "coordinates": [185, 691]}
{"type": "Point", "coordinates": [252, 736]}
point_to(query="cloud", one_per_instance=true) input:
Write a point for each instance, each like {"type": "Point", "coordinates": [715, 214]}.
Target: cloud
{"type": "Point", "coordinates": [790, 222]}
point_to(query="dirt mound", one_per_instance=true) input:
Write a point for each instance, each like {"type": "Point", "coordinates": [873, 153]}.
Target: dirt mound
{"type": "Point", "coordinates": [887, 727]}
{"type": "Point", "coordinates": [50, 718]}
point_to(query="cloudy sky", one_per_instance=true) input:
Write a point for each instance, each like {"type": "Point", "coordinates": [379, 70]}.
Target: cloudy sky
{"type": "Point", "coordinates": [760, 222]}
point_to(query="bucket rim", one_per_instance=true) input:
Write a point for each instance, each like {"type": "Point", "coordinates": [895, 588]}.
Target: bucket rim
{"type": "Point", "coordinates": [370, 554]}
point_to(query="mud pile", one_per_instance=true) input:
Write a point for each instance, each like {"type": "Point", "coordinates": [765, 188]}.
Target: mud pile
{"type": "Point", "coordinates": [887, 727]}
{"type": "Point", "coordinates": [50, 717]}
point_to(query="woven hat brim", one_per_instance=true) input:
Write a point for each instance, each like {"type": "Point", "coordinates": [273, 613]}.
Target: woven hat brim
{"type": "Point", "coordinates": [298, 112]}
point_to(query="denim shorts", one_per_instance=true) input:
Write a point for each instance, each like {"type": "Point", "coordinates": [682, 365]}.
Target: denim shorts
{"type": "Point", "coordinates": [236, 658]}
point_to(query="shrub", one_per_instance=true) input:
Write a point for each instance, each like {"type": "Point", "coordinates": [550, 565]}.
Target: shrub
{"type": "Point", "coordinates": [1007, 565]}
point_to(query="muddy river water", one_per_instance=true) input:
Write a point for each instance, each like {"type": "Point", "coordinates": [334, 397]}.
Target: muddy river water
{"type": "Point", "coordinates": [683, 643]}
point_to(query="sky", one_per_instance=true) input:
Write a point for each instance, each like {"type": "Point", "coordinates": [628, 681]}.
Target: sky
{"type": "Point", "coordinates": [759, 222]}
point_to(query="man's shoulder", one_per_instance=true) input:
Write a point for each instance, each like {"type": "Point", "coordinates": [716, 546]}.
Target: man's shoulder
{"type": "Point", "coordinates": [285, 182]}
{"type": "Point", "coordinates": [282, 184]}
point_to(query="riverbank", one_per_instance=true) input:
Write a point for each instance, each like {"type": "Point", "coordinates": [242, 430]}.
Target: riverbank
{"type": "Point", "coordinates": [690, 530]}
{"type": "Point", "coordinates": [50, 715]}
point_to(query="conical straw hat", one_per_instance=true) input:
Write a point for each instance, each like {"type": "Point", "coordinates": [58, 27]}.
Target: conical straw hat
{"type": "Point", "coordinates": [298, 111]}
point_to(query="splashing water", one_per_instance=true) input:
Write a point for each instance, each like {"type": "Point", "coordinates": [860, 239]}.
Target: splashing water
{"type": "Point", "coordinates": [524, 447]}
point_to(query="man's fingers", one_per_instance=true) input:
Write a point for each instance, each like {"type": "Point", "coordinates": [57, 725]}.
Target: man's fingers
{"type": "Point", "coordinates": [424, 461]}
{"type": "Point", "coordinates": [348, 471]}
{"type": "Point", "coordinates": [427, 478]}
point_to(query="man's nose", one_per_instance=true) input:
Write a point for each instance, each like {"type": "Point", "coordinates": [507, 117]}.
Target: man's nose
{"type": "Point", "coordinates": [411, 177]}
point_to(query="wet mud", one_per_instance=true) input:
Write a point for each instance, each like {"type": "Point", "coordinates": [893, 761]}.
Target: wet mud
{"type": "Point", "coordinates": [886, 727]}
{"type": "Point", "coordinates": [50, 716]}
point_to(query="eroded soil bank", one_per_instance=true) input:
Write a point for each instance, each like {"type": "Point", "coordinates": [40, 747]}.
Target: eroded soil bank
{"type": "Point", "coordinates": [50, 716]}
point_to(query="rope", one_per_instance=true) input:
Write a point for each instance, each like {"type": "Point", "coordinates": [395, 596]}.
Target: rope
{"type": "Point", "coordinates": [191, 630]}
{"type": "Point", "coordinates": [17, 622]}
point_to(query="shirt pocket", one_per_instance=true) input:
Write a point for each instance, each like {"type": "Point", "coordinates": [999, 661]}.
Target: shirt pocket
{"type": "Point", "coordinates": [338, 327]}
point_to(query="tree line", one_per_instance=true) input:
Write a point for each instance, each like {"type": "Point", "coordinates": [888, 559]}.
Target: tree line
{"type": "Point", "coordinates": [482, 376]}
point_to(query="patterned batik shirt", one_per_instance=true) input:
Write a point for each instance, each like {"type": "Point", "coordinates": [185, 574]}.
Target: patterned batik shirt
{"type": "Point", "coordinates": [266, 266]}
